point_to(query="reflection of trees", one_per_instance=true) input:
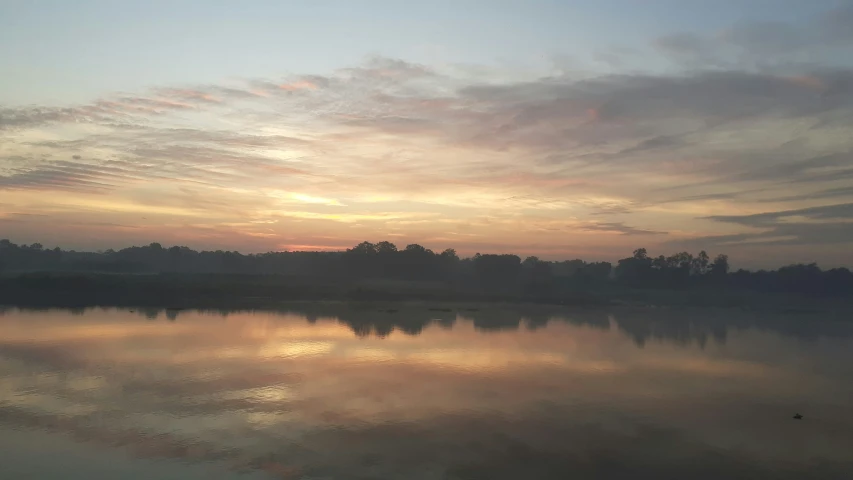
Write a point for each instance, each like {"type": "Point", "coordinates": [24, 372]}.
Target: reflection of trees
{"type": "Point", "coordinates": [679, 326]}
{"type": "Point", "coordinates": [381, 322]}
{"type": "Point", "coordinates": [495, 320]}
{"type": "Point", "coordinates": [687, 326]}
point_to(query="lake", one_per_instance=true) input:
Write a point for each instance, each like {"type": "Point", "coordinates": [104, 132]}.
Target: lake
{"type": "Point", "coordinates": [410, 392]}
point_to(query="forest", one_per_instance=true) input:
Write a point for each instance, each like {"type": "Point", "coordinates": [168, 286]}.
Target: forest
{"type": "Point", "coordinates": [495, 274]}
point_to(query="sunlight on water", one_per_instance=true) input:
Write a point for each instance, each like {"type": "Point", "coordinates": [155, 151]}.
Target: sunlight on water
{"type": "Point", "coordinates": [332, 392]}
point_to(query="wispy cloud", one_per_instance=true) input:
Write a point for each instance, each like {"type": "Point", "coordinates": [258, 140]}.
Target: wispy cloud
{"type": "Point", "coordinates": [298, 85]}
{"type": "Point", "coordinates": [814, 231]}
{"type": "Point", "coordinates": [617, 228]}
{"type": "Point", "coordinates": [842, 211]}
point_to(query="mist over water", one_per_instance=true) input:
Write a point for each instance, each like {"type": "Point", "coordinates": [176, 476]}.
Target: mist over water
{"type": "Point", "coordinates": [412, 392]}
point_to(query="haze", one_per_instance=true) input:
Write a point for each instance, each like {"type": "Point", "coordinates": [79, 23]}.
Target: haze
{"type": "Point", "coordinates": [553, 128]}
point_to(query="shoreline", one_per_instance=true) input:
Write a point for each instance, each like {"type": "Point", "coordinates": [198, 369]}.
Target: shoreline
{"type": "Point", "coordinates": [248, 292]}
{"type": "Point", "coordinates": [391, 306]}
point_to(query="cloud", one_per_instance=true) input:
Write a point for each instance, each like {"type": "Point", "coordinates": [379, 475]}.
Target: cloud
{"type": "Point", "coordinates": [316, 200]}
{"type": "Point", "coordinates": [33, 116]}
{"type": "Point", "coordinates": [796, 170]}
{"type": "Point", "coordinates": [298, 85]}
{"type": "Point", "coordinates": [819, 195]}
{"type": "Point", "coordinates": [113, 110]}
{"type": "Point", "coordinates": [618, 228]}
{"type": "Point", "coordinates": [144, 105]}
{"type": "Point", "coordinates": [189, 95]}
{"type": "Point", "coordinates": [231, 93]}
{"type": "Point", "coordinates": [703, 197]}
{"type": "Point", "coordinates": [836, 175]}
{"type": "Point", "coordinates": [800, 235]}
{"type": "Point", "coordinates": [830, 225]}
{"type": "Point", "coordinates": [389, 69]}
{"type": "Point", "coordinates": [646, 112]}
{"type": "Point", "coordinates": [842, 211]}
{"type": "Point", "coordinates": [62, 176]}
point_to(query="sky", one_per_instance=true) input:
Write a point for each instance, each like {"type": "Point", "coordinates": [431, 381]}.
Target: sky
{"type": "Point", "coordinates": [562, 129]}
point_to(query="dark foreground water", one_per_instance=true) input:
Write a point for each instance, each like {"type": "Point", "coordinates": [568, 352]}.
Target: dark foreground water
{"type": "Point", "coordinates": [475, 394]}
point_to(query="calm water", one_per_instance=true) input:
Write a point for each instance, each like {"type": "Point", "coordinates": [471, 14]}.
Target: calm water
{"type": "Point", "coordinates": [423, 394]}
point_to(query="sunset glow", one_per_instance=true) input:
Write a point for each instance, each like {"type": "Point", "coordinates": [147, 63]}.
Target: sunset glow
{"type": "Point", "coordinates": [680, 134]}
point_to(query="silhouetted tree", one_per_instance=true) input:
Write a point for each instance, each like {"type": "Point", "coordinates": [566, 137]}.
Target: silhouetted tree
{"type": "Point", "coordinates": [595, 271]}
{"type": "Point", "coordinates": [497, 272]}
{"type": "Point", "coordinates": [700, 264]}
{"type": "Point", "coordinates": [537, 276]}
{"type": "Point", "coordinates": [720, 266]}
{"type": "Point", "coordinates": [384, 247]}
{"type": "Point", "coordinates": [635, 269]}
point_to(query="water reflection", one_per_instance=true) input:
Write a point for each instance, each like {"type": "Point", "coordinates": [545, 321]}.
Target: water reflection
{"type": "Point", "coordinates": [681, 326]}
{"type": "Point", "coordinates": [332, 391]}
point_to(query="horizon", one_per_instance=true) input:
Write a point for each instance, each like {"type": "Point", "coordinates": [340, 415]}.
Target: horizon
{"type": "Point", "coordinates": [558, 130]}
{"type": "Point", "coordinates": [461, 256]}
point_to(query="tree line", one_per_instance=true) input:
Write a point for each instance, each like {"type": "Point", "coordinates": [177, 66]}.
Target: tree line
{"type": "Point", "coordinates": [488, 272]}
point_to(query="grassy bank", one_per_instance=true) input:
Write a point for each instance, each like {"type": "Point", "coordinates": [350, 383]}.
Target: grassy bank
{"type": "Point", "coordinates": [233, 291]}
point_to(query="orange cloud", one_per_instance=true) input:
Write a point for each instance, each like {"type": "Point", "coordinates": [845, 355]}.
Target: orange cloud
{"type": "Point", "coordinates": [806, 81]}
{"type": "Point", "coordinates": [593, 115]}
{"type": "Point", "coordinates": [300, 85]}
{"type": "Point", "coordinates": [313, 248]}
